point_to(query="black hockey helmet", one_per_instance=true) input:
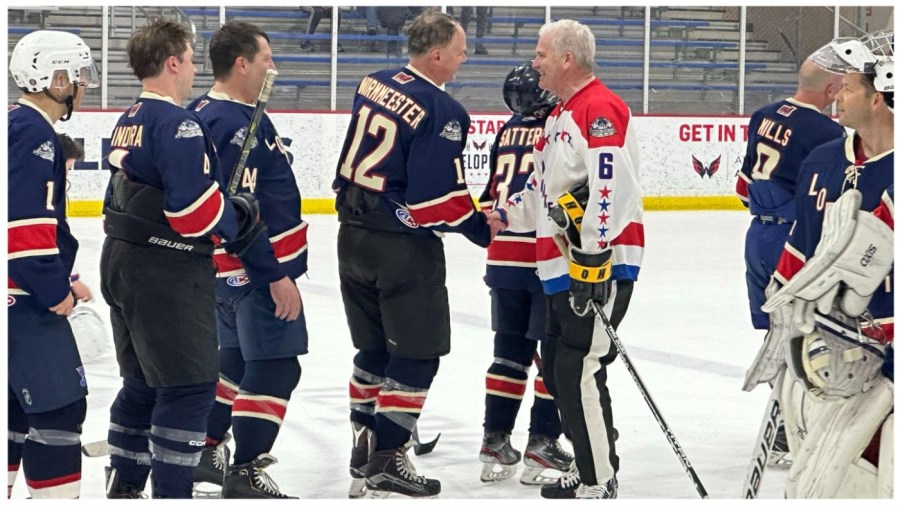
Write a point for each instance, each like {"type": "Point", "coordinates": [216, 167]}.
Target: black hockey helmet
{"type": "Point", "coordinates": [522, 94]}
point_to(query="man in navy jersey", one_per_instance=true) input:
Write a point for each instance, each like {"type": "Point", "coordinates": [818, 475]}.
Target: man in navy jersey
{"type": "Point", "coordinates": [261, 327]}
{"type": "Point", "coordinates": [780, 135]}
{"type": "Point", "coordinates": [47, 386]}
{"type": "Point", "coordinates": [400, 182]}
{"type": "Point", "coordinates": [164, 213]}
{"type": "Point", "coordinates": [518, 304]}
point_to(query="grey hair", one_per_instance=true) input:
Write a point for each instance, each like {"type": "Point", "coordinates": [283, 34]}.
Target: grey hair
{"type": "Point", "coordinates": [570, 35]}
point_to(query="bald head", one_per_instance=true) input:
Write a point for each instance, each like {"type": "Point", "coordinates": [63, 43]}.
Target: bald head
{"type": "Point", "coordinates": [816, 86]}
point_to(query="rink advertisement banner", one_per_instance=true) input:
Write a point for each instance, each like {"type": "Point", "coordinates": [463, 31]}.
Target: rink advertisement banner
{"type": "Point", "coordinates": [685, 162]}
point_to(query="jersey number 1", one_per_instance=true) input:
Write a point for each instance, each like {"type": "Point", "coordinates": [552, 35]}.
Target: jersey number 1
{"type": "Point", "coordinates": [370, 124]}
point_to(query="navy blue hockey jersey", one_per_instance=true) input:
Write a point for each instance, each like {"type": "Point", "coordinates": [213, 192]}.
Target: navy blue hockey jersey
{"type": "Point", "coordinates": [511, 262]}
{"type": "Point", "coordinates": [267, 174]}
{"type": "Point", "coordinates": [164, 146]}
{"type": "Point", "coordinates": [827, 172]}
{"type": "Point", "coordinates": [41, 248]}
{"type": "Point", "coordinates": [780, 136]}
{"type": "Point", "coordinates": [404, 144]}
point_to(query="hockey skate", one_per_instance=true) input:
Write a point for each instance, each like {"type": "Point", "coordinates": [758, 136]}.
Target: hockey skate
{"type": "Point", "coordinates": [498, 456]}
{"type": "Point", "coordinates": [606, 491]}
{"type": "Point", "coordinates": [363, 445]}
{"type": "Point", "coordinates": [117, 490]}
{"type": "Point", "coordinates": [210, 473]}
{"type": "Point", "coordinates": [544, 454]}
{"type": "Point", "coordinates": [390, 471]}
{"type": "Point", "coordinates": [780, 456]}
{"type": "Point", "coordinates": [565, 487]}
{"type": "Point", "coordinates": [250, 480]}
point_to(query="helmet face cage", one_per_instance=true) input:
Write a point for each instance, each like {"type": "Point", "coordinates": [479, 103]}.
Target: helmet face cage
{"type": "Point", "coordinates": [522, 94]}
{"type": "Point", "coordinates": [41, 57]}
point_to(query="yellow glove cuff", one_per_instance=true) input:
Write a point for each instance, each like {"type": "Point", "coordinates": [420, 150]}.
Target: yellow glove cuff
{"type": "Point", "coordinates": [590, 275]}
{"type": "Point", "coordinates": [572, 208]}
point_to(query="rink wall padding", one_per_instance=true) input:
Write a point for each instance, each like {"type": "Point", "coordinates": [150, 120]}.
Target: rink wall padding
{"type": "Point", "coordinates": [670, 148]}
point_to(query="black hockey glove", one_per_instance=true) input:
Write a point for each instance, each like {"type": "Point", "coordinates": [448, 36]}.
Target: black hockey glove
{"type": "Point", "coordinates": [248, 219]}
{"type": "Point", "coordinates": [589, 280]}
{"type": "Point", "coordinates": [567, 215]}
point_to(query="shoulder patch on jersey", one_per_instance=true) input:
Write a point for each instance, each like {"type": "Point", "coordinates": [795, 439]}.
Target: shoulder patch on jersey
{"type": "Point", "coordinates": [239, 137]}
{"type": "Point", "coordinates": [134, 109]}
{"type": "Point", "coordinates": [601, 127]}
{"type": "Point", "coordinates": [188, 129]}
{"type": "Point", "coordinates": [403, 77]}
{"type": "Point", "coordinates": [45, 151]}
{"type": "Point", "coordinates": [12, 107]}
{"type": "Point", "coordinates": [200, 105]}
{"type": "Point", "coordinates": [786, 110]}
{"type": "Point", "coordinates": [452, 131]}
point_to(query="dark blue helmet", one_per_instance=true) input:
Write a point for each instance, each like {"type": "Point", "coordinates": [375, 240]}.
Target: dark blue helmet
{"type": "Point", "coordinates": [522, 94]}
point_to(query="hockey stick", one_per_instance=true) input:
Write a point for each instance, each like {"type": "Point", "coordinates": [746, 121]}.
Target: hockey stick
{"type": "Point", "coordinates": [626, 360]}
{"type": "Point", "coordinates": [238, 171]}
{"type": "Point", "coordinates": [95, 449]}
{"type": "Point", "coordinates": [420, 448]}
{"type": "Point", "coordinates": [765, 440]}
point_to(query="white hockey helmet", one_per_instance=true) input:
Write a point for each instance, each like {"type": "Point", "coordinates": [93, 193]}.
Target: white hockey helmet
{"type": "Point", "coordinates": [39, 56]}
{"type": "Point", "coordinates": [871, 54]}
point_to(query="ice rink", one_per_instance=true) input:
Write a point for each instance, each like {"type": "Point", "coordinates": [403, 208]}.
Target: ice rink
{"type": "Point", "coordinates": [688, 331]}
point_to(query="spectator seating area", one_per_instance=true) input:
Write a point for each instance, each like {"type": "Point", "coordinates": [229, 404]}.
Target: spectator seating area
{"type": "Point", "coordinates": [693, 54]}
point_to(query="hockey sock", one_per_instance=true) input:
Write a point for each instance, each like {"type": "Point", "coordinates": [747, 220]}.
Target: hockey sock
{"type": "Point", "coordinates": [129, 427]}
{"type": "Point", "coordinates": [544, 415]}
{"type": "Point", "coordinates": [177, 435]}
{"type": "Point", "coordinates": [365, 384]}
{"type": "Point", "coordinates": [401, 399]}
{"type": "Point", "coordinates": [231, 372]}
{"type": "Point", "coordinates": [52, 456]}
{"type": "Point", "coordinates": [17, 430]}
{"type": "Point", "coordinates": [506, 380]}
{"type": "Point", "coordinates": [261, 404]}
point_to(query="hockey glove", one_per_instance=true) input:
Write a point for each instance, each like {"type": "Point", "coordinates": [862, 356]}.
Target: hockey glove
{"type": "Point", "coordinates": [567, 215]}
{"type": "Point", "coordinates": [250, 226]}
{"type": "Point", "coordinates": [589, 280]}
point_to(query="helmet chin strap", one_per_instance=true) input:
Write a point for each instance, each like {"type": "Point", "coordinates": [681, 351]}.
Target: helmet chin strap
{"type": "Point", "coordinates": [69, 102]}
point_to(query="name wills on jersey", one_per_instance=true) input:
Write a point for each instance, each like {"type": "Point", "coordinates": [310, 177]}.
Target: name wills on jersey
{"type": "Point", "coordinates": [774, 131]}
{"type": "Point", "coordinates": [401, 105]}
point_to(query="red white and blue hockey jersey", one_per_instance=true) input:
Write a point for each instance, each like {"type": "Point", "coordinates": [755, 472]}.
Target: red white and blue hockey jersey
{"type": "Point", "coordinates": [511, 262]}
{"type": "Point", "coordinates": [405, 144]}
{"type": "Point", "coordinates": [267, 174]}
{"type": "Point", "coordinates": [41, 248]}
{"type": "Point", "coordinates": [780, 136]}
{"type": "Point", "coordinates": [828, 171]}
{"type": "Point", "coordinates": [589, 137]}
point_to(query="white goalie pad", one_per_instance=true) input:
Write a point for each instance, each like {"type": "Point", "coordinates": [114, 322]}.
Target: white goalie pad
{"type": "Point", "coordinates": [90, 332]}
{"type": "Point", "coordinates": [856, 249]}
{"type": "Point", "coordinates": [770, 357]}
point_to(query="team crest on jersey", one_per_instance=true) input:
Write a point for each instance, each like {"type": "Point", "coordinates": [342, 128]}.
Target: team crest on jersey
{"type": "Point", "coordinates": [237, 281]}
{"type": "Point", "coordinates": [601, 127]}
{"type": "Point", "coordinates": [403, 78]}
{"type": "Point", "coordinates": [452, 131]}
{"type": "Point", "coordinates": [134, 109]}
{"type": "Point", "coordinates": [188, 129]}
{"type": "Point", "coordinates": [239, 137]}
{"type": "Point", "coordinates": [786, 110]}
{"type": "Point", "coordinates": [406, 218]}
{"type": "Point", "coordinates": [45, 151]}
{"type": "Point", "coordinates": [12, 107]}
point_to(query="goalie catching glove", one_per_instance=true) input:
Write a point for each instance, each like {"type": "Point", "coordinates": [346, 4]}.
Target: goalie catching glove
{"type": "Point", "coordinates": [251, 226]}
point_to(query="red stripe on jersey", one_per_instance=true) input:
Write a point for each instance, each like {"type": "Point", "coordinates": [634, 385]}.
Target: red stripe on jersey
{"type": "Point", "coordinates": [258, 406]}
{"type": "Point", "coordinates": [539, 387]}
{"type": "Point", "coordinates": [546, 249]}
{"type": "Point", "coordinates": [225, 392]}
{"type": "Point", "coordinates": [502, 386]}
{"type": "Point", "coordinates": [884, 332]}
{"type": "Point", "coordinates": [41, 235]}
{"type": "Point", "coordinates": [289, 244]}
{"type": "Point", "coordinates": [449, 211]}
{"type": "Point", "coordinates": [885, 213]}
{"type": "Point", "coordinates": [56, 481]}
{"type": "Point", "coordinates": [199, 217]}
{"type": "Point", "coordinates": [11, 284]}
{"type": "Point", "coordinates": [387, 399]}
{"type": "Point", "coordinates": [12, 468]}
{"type": "Point", "coordinates": [789, 265]}
{"type": "Point", "coordinates": [364, 391]}
{"type": "Point", "coordinates": [742, 189]}
{"type": "Point", "coordinates": [226, 262]}
{"type": "Point", "coordinates": [633, 234]}
{"type": "Point", "coordinates": [507, 250]}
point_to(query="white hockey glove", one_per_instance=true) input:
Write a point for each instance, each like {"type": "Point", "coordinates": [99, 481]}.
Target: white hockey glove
{"type": "Point", "coordinates": [770, 357]}
{"type": "Point", "coordinates": [856, 250]}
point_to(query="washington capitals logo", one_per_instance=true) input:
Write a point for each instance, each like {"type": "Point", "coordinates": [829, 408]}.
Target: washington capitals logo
{"type": "Point", "coordinates": [563, 136]}
{"type": "Point", "coordinates": [479, 147]}
{"type": "Point", "coordinates": [707, 170]}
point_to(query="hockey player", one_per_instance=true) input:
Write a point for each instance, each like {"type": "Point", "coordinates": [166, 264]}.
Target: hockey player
{"type": "Point", "coordinates": [781, 134]}
{"type": "Point", "coordinates": [837, 407]}
{"type": "Point", "coordinates": [47, 386]}
{"type": "Point", "coordinates": [164, 212]}
{"type": "Point", "coordinates": [399, 181]}
{"type": "Point", "coordinates": [587, 160]}
{"type": "Point", "coordinates": [518, 310]}
{"type": "Point", "coordinates": [261, 327]}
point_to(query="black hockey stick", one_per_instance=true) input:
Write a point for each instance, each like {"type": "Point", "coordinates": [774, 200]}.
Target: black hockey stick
{"type": "Point", "coordinates": [238, 171]}
{"type": "Point", "coordinates": [765, 440]}
{"type": "Point", "coordinates": [626, 360]}
{"type": "Point", "coordinates": [420, 448]}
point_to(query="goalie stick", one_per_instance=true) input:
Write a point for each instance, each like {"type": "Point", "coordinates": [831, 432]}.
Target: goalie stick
{"type": "Point", "coordinates": [765, 440]}
{"type": "Point", "coordinates": [238, 171]}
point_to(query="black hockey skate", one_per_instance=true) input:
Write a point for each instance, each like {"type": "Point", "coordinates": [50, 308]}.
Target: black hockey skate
{"type": "Point", "coordinates": [544, 453]}
{"type": "Point", "coordinates": [116, 490]}
{"type": "Point", "coordinates": [498, 456]}
{"type": "Point", "coordinates": [211, 470]}
{"type": "Point", "coordinates": [390, 471]}
{"type": "Point", "coordinates": [606, 491]}
{"type": "Point", "coordinates": [566, 486]}
{"type": "Point", "coordinates": [363, 445]}
{"type": "Point", "coordinates": [250, 480]}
